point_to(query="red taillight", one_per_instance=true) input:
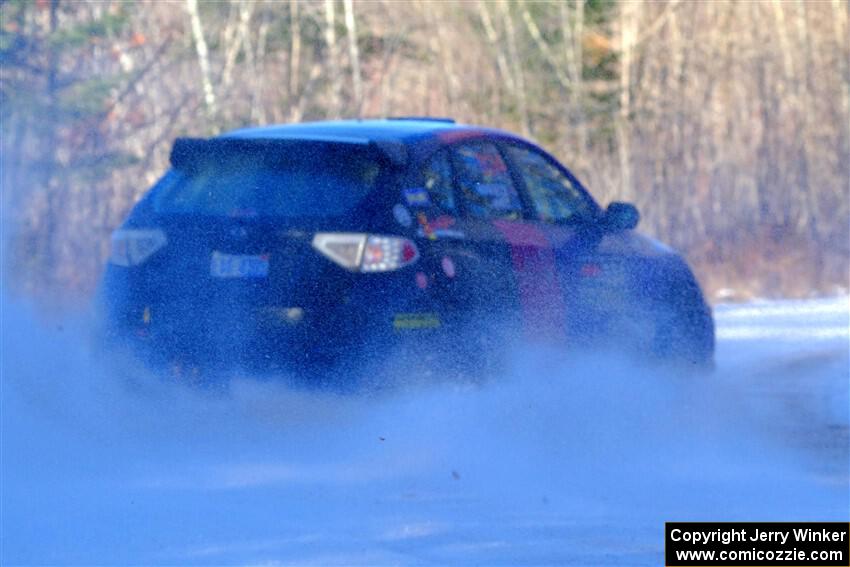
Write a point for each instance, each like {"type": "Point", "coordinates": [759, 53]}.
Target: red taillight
{"type": "Point", "coordinates": [409, 252]}
{"type": "Point", "coordinates": [366, 252]}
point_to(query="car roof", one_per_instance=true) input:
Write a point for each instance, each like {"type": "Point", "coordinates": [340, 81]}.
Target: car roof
{"type": "Point", "coordinates": [409, 131]}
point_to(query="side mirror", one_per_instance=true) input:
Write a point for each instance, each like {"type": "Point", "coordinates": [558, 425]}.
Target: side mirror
{"type": "Point", "coordinates": [621, 216]}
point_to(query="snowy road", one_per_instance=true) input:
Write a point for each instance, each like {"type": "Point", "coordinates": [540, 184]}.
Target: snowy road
{"type": "Point", "coordinates": [559, 461]}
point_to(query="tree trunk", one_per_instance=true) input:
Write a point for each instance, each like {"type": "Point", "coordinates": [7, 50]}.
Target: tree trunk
{"type": "Point", "coordinates": [493, 40]}
{"type": "Point", "coordinates": [294, 50]}
{"type": "Point", "coordinates": [203, 57]}
{"type": "Point", "coordinates": [519, 80]}
{"type": "Point", "coordinates": [332, 60]}
{"type": "Point", "coordinates": [354, 55]}
{"type": "Point", "coordinates": [541, 44]}
{"type": "Point", "coordinates": [573, 34]}
{"type": "Point", "coordinates": [628, 35]}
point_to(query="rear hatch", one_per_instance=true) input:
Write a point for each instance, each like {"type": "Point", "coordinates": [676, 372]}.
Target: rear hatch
{"type": "Point", "coordinates": [239, 217]}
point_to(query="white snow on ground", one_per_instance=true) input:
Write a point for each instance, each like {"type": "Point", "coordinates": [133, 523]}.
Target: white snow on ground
{"type": "Point", "coordinates": [786, 321]}
{"type": "Point", "coordinates": [557, 461]}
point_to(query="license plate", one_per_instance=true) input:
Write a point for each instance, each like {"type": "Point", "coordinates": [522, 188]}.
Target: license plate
{"type": "Point", "coordinates": [239, 266]}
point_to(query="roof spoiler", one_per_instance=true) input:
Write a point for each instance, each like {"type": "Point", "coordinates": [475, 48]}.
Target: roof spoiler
{"type": "Point", "coordinates": [395, 152]}
{"type": "Point", "coordinates": [189, 151]}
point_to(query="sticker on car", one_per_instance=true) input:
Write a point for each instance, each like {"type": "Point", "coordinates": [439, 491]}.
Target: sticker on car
{"type": "Point", "coordinates": [417, 197]}
{"type": "Point", "coordinates": [402, 215]}
{"type": "Point", "coordinates": [415, 321]}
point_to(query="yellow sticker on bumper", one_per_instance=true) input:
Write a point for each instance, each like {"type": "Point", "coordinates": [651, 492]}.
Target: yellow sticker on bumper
{"type": "Point", "coordinates": [414, 321]}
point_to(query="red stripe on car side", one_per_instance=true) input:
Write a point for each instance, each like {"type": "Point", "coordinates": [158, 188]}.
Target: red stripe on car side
{"type": "Point", "coordinates": [540, 296]}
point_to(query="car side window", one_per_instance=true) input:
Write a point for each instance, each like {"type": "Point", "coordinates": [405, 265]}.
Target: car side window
{"type": "Point", "coordinates": [554, 196]}
{"type": "Point", "coordinates": [485, 183]}
{"type": "Point", "coordinates": [437, 180]}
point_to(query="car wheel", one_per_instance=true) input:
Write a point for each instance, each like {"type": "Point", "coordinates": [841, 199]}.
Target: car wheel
{"type": "Point", "coordinates": [685, 338]}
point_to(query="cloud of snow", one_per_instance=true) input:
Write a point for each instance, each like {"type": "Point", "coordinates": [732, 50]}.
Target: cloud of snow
{"type": "Point", "coordinates": [560, 459]}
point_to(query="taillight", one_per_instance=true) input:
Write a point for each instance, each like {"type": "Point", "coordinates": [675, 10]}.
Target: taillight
{"type": "Point", "coordinates": [387, 253]}
{"type": "Point", "coordinates": [131, 247]}
{"type": "Point", "coordinates": [366, 252]}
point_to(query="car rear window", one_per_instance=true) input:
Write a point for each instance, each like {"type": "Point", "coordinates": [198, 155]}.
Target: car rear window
{"type": "Point", "coordinates": [302, 180]}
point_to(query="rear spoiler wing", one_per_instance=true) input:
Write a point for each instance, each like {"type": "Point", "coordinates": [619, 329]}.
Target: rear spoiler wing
{"type": "Point", "coordinates": [189, 151]}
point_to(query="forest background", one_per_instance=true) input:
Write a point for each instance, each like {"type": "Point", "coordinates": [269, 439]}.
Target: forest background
{"type": "Point", "coordinates": [727, 123]}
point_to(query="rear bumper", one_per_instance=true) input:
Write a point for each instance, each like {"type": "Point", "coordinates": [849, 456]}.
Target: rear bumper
{"type": "Point", "coordinates": [221, 333]}
{"type": "Point", "coordinates": [232, 336]}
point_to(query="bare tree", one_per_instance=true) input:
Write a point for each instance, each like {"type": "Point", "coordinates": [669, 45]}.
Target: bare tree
{"type": "Point", "coordinates": [295, 48]}
{"type": "Point", "coordinates": [203, 56]}
{"type": "Point", "coordinates": [516, 65]}
{"type": "Point", "coordinates": [353, 55]}
{"type": "Point", "coordinates": [728, 123]}
{"type": "Point", "coordinates": [332, 59]}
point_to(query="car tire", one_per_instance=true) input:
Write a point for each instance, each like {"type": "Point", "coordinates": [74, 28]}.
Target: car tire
{"type": "Point", "coordinates": [684, 338]}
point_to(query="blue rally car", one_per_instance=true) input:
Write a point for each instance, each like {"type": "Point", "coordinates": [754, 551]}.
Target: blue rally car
{"type": "Point", "coordinates": [330, 242]}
